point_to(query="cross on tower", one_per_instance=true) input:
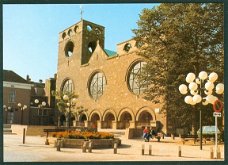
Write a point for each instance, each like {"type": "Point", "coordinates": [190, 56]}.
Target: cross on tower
{"type": "Point", "coordinates": [81, 11]}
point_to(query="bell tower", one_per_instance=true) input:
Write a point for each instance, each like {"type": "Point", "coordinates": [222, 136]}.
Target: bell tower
{"type": "Point", "coordinates": [78, 42]}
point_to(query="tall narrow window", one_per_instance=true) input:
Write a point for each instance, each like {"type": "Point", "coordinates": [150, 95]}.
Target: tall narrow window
{"type": "Point", "coordinates": [68, 86]}
{"type": "Point", "coordinates": [12, 96]}
{"type": "Point", "coordinates": [97, 85]}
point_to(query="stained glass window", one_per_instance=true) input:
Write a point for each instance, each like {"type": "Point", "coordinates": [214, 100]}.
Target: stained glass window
{"type": "Point", "coordinates": [97, 85]}
{"type": "Point", "coordinates": [135, 84]}
{"type": "Point", "coordinates": [68, 86]}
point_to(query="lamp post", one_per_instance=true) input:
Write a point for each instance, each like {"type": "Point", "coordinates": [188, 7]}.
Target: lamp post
{"type": "Point", "coordinates": [70, 103]}
{"type": "Point", "coordinates": [6, 109]}
{"type": "Point", "coordinates": [22, 108]}
{"type": "Point", "coordinates": [40, 106]}
{"type": "Point", "coordinates": [201, 89]}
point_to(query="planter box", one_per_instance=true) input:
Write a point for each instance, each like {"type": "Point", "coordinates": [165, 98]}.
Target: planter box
{"type": "Point", "coordinates": [96, 143]}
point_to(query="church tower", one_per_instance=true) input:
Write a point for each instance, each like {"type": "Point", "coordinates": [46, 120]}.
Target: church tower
{"type": "Point", "coordinates": [78, 42]}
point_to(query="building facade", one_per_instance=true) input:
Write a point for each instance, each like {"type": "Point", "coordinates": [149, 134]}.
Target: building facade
{"type": "Point", "coordinates": [105, 81]}
{"type": "Point", "coordinates": [19, 97]}
{"type": "Point", "coordinates": [15, 90]}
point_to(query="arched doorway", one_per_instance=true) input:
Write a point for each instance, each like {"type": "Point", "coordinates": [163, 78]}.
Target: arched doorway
{"type": "Point", "coordinates": [109, 118]}
{"type": "Point", "coordinates": [144, 118]}
{"type": "Point", "coordinates": [94, 118]}
{"type": "Point", "coordinates": [125, 119]}
{"type": "Point", "coordinates": [62, 120]}
{"type": "Point", "coordinates": [72, 119]}
{"type": "Point", "coordinates": [82, 119]}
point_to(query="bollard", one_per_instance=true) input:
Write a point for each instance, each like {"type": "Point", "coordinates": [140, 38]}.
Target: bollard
{"type": "Point", "coordinates": [172, 136]}
{"type": "Point", "coordinates": [150, 150]}
{"type": "Point", "coordinates": [211, 153]}
{"type": "Point", "coordinates": [90, 147]}
{"type": "Point", "coordinates": [24, 136]}
{"type": "Point", "coordinates": [115, 148]}
{"type": "Point", "coordinates": [218, 153]}
{"type": "Point", "coordinates": [47, 142]}
{"type": "Point", "coordinates": [84, 146]}
{"type": "Point", "coordinates": [143, 147]}
{"type": "Point", "coordinates": [205, 141]}
{"type": "Point", "coordinates": [180, 136]}
{"type": "Point", "coordinates": [195, 140]}
{"type": "Point", "coordinates": [58, 144]}
{"type": "Point", "coordinates": [179, 151]}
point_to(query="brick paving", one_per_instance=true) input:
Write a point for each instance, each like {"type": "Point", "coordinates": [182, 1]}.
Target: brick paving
{"type": "Point", "coordinates": [34, 150]}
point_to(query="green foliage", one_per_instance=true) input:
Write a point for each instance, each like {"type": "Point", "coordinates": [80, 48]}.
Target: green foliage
{"type": "Point", "coordinates": [177, 39]}
{"type": "Point", "coordinates": [62, 104]}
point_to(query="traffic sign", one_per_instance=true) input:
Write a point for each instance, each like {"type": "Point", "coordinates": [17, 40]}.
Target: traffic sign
{"type": "Point", "coordinates": [217, 114]}
{"type": "Point", "coordinates": [217, 106]}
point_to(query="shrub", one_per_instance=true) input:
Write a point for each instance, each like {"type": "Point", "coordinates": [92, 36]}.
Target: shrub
{"type": "Point", "coordinates": [83, 135]}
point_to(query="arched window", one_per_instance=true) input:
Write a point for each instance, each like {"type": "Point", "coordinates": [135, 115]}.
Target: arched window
{"type": "Point", "coordinates": [68, 86]}
{"type": "Point", "coordinates": [127, 47]}
{"type": "Point", "coordinates": [89, 28]}
{"type": "Point", "coordinates": [69, 48]}
{"type": "Point", "coordinates": [63, 35]}
{"type": "Point", "coordinates": [91, 46]}
{"type": "Point", "coordinates": [97, 85]}
{"type": "Point", "coordinates": [70, 32]}
{"type": "Point", "coordinates": [135, 84]}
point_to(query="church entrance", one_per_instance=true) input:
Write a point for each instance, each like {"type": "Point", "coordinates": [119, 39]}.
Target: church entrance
{"type": "Point", "coordinates": [125, 120]}
{"type": "Point", "coordinates": [145, 119]}
{"type": "Point", "coordinates": [82, 119]}
{"type": "Point", "coordinates": [95, 117]}
{"type": "Point", "coordinates": [109, 118]}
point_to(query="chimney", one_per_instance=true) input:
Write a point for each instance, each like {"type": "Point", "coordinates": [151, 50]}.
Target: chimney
{"type": "Point", "coordinates": [28, 78]}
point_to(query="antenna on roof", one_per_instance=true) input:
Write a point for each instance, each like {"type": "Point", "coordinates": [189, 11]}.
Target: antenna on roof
{"type": "Point", "coordinates": [81, 11]}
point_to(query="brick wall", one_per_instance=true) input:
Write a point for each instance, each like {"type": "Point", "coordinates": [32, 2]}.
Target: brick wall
{"type": "Point", "coordinates": [116, 96]}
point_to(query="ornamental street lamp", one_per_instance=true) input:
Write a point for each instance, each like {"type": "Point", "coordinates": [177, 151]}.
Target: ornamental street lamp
{"type": "Point", "coordinates": [41, 107]}
{"type": "Point", "coordinates": [70, 103]}
{"type": "Point", "coordinates": [6, 109]}
{"type": "Point", "coordinates": [201, 89]}
{"type": "Point", "coordinates": [22, 108]}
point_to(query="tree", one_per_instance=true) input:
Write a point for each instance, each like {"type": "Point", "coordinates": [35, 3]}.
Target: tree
{"type": "Point", "coordinates": [66, 103]}
{"type": "Point", "coordinates": [177, 39]}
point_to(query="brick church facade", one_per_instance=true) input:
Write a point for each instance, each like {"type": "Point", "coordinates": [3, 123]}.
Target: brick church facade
{"type": "Point", "coordinates": [104, 80]}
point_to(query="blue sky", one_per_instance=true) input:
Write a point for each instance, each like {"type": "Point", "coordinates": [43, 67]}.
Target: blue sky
{"type": "Point", "coordinates": [30, 32]}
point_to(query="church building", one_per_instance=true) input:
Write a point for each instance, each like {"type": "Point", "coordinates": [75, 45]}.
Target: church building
{"type": "Point", "coordinates": [106, 81]}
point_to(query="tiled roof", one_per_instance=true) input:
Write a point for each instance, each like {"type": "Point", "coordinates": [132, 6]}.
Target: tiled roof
{"type": "Point", "coordinates": [11, 76]}
{"type": "Point", "coordinates": [110, 53]}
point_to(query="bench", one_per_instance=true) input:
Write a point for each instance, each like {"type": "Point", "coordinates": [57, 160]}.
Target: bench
{"type": "Point", "coordinates": [52, 130]}
{"type": "Point", "coordinates": [187, 137]}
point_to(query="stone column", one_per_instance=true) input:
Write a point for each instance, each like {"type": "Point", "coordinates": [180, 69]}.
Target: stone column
{"type": "Point", "coordinates": [132, 124]}
{"type": "Point", "coordinates": [74, 123]}
{"type": "Point", "coordinates": [114, 125]}
{"type": "Point", "coordinates": [86, 122]}
{"type": "Point", "coordinates": [99, 124]}
{"type": "Point", "coordinates": [153, 123]}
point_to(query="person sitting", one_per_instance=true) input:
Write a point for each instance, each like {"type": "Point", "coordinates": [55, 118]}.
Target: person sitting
{"type": "Point", "coordinates": [146, 134]}
{"type": "Point", "coordinates": [153, 133]}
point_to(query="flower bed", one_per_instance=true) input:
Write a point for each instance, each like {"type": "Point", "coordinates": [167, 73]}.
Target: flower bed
{"type": "Point", "coordinates": [83, 135]}
{"type": "Point", "coordinates": [75, 139]}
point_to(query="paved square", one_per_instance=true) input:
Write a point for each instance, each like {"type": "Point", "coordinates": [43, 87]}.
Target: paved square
{"type": "Point", "coordinates": [34, 150]}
